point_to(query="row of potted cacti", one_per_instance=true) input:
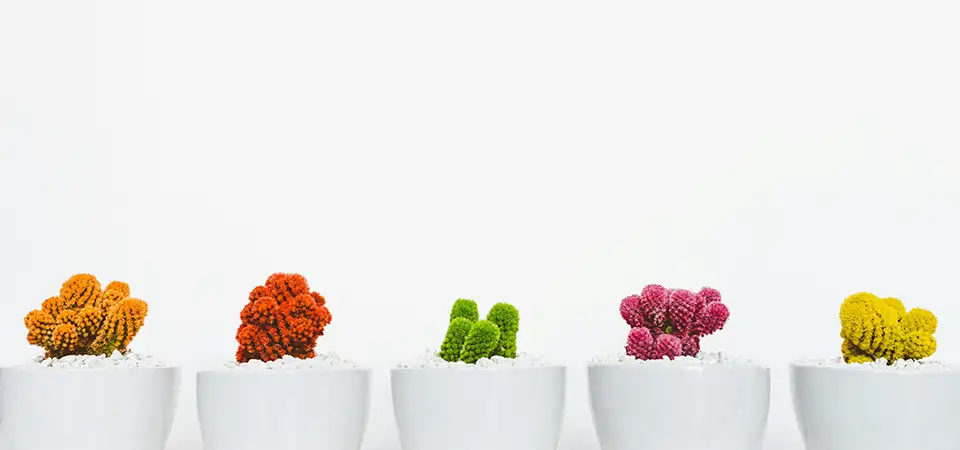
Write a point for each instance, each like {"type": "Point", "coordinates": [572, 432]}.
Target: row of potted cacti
{"type": "Point", "coordinates": [89, 391]}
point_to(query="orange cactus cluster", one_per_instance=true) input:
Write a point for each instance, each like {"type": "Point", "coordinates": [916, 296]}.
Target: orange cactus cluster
{"type": "Point", "coordinates": [282, 317]}
{"type": "Point", "coordinates": [85, 319]}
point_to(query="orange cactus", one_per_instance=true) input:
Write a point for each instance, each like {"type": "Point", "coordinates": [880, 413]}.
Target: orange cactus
{"type": "Point", "coordinates": [282, 317]}
{"type": "Point", "coordinates": [85, 320]}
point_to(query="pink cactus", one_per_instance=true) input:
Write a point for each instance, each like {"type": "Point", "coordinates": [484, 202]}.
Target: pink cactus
{"type": "Point", "coordinates": [709, 295]}
{"type": "Point", "coordinates": [670, 322]}
{"type": "Point", "coordinates": [667, 345]}
{"type": "Point", "coordinates": [683, 308]}
{"type": "Point", "coordinates": [690, 345]}
{"type": "Point", "coordinates": [640, 343]}
{"type": "Point", "coordinates": [713, 317]}
{"type": "Point", "coordinates": [653, 303]}
{"type": "Point", "coordinates": [630, 311]}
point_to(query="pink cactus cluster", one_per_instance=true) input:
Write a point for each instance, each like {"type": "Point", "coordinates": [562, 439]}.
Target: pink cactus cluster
{"type": "Point", "coordinates": [670, 322]}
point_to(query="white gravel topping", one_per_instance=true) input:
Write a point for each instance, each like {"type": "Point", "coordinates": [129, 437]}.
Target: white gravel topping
{"type": "Point", "coordinates": [881, 365]}
{"type": "Point", "coordinates": [130, 360]}
{"type": "Point", "coordinates": [702, 359]}
{"type": "Point", "coordinates": [430, 360]}
{"type": "Point", "coordinates": [321, 361]}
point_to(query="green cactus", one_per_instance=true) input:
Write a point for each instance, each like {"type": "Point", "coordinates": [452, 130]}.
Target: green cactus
{"type": "Point", "coordinates": [456, 335]}
{"type": "Point", "coordinates": [507, 318]}
{"type": "Point", "coordinates": [481, 342]}
{"type": "Point", "coordinates": [469, 339]}
{"type": "Point", "coordinates": [466, 309]}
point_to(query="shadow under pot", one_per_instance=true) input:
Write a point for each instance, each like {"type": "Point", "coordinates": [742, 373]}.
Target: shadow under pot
{"type": "Point", "coordinates": [665, 406]}
{"type": "Point", "coordinates": [862, 408]}
{"type": "Point", "coordinates": [303, 409]}
{"type": "Point", "coordinates": [471, 408]}
{"type": "Point", "coordinates": [88, 409]}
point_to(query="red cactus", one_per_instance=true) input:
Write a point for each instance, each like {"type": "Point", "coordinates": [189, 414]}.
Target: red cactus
{"type": "Point", "coordinates": [282, 317]}
{"type": "Point", "coordinates": [666, 322]}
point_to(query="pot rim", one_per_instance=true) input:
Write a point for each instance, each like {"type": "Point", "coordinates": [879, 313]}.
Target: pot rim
{"type": "Point", "coordinates": [473, 369]}
{"type": "Point", "coordinates": [664, 367]}
{"type": "Point", "coordinates": [29, 368]}
{"type": "Point", "coordinates": [852, 368]}
{"type": "Point", "coordinates": [281, 372]}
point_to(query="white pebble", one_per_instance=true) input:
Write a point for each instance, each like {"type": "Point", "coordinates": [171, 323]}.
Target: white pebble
{"type": "Point", "coordinates": [702, 358]}
{"type": "Point", "coordinates": [130, 360]}
{"type": "Point", "coordinates": [881, 365]}
{"type": "Point", "coordinates": [430, 360]}
{"type": "Point", "coordinates": [253, 364]}
{"type": "Point", "coordinates": [287, 362]}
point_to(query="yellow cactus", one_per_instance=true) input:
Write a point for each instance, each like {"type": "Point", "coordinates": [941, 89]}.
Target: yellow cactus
{"type": "Point", "coordinates": [86, 320]}
{"type": "Point", "coordinates": [874, 328]}
{"type": "Point", "coordinates": [920, 344]}
{"type": "Point", "coordinates": [920, 320]}
{"type": "Point", "coordinates": [897, 305]}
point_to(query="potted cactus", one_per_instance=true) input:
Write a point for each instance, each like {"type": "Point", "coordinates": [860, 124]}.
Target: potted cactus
{"type": "Point", "coordinates": [86, 332]}
{"type": "Point", "coordinates": [477, 385]}
{"type": "Point", "coordinates": [311, 400]}
{"type": "Point", "coordinates": [883, 377]}
{"type": "Point", "coordinates": [637, 396]}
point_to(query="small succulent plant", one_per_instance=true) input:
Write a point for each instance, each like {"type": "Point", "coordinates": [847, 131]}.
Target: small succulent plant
{"type": "Point", "coordinates": [671, 322]}
{"type": "Point", "coordinates": [85, 319]}
{"type": "Point", "coordinates": [874, 328]}
{"type": "Point", "coordinates": [282, 317]}
{"type": "Point", "coordinates": [469, 339]}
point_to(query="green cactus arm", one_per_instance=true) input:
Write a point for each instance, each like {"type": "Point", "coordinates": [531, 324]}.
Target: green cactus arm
{"type": "Point", "coordinates": [453, 342]}
{"type": "Point", "coordinates": [466, 309]}
{"type": "Point", "coordinates": [481, 341]}
{"type": "Point", "coordinates": [507, 318]}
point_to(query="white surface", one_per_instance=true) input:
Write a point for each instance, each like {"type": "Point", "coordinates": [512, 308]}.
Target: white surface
{"type": "Point", "coordinates": [283, 410]}
{"type": "Point", "coordinates": [130, 360]}
{"type": "Point", "coordinates": [287, 362]}
{"type": "Point", "coordinates": [505, 408]}
{"type": "Point", "coordinates": [88, 409]}
{"type": "Point", "coordinates": [556, 155]}
{"type": "Point", "coordinates": [430, 360]}
{"type": "Point", "coordinates": [846, 409]}
{"type": "Point", "coordinates": [679, 406]}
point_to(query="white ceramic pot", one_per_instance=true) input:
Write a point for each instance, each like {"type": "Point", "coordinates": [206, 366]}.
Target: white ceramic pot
{"type": "Point", "coordinates": [850, 408]}
{"type": "Point", "coordinates": [479, 409]}
{"type": "Point", "coordinates": [88, 409]}
{"type": "Point", "coordinates": [666, 406]}
{"type": "Point", "coordinates": [303, 409]}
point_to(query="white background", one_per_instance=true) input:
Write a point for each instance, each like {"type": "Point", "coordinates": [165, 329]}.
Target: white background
{"type": "Point", "coordinates": [557, 155]}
